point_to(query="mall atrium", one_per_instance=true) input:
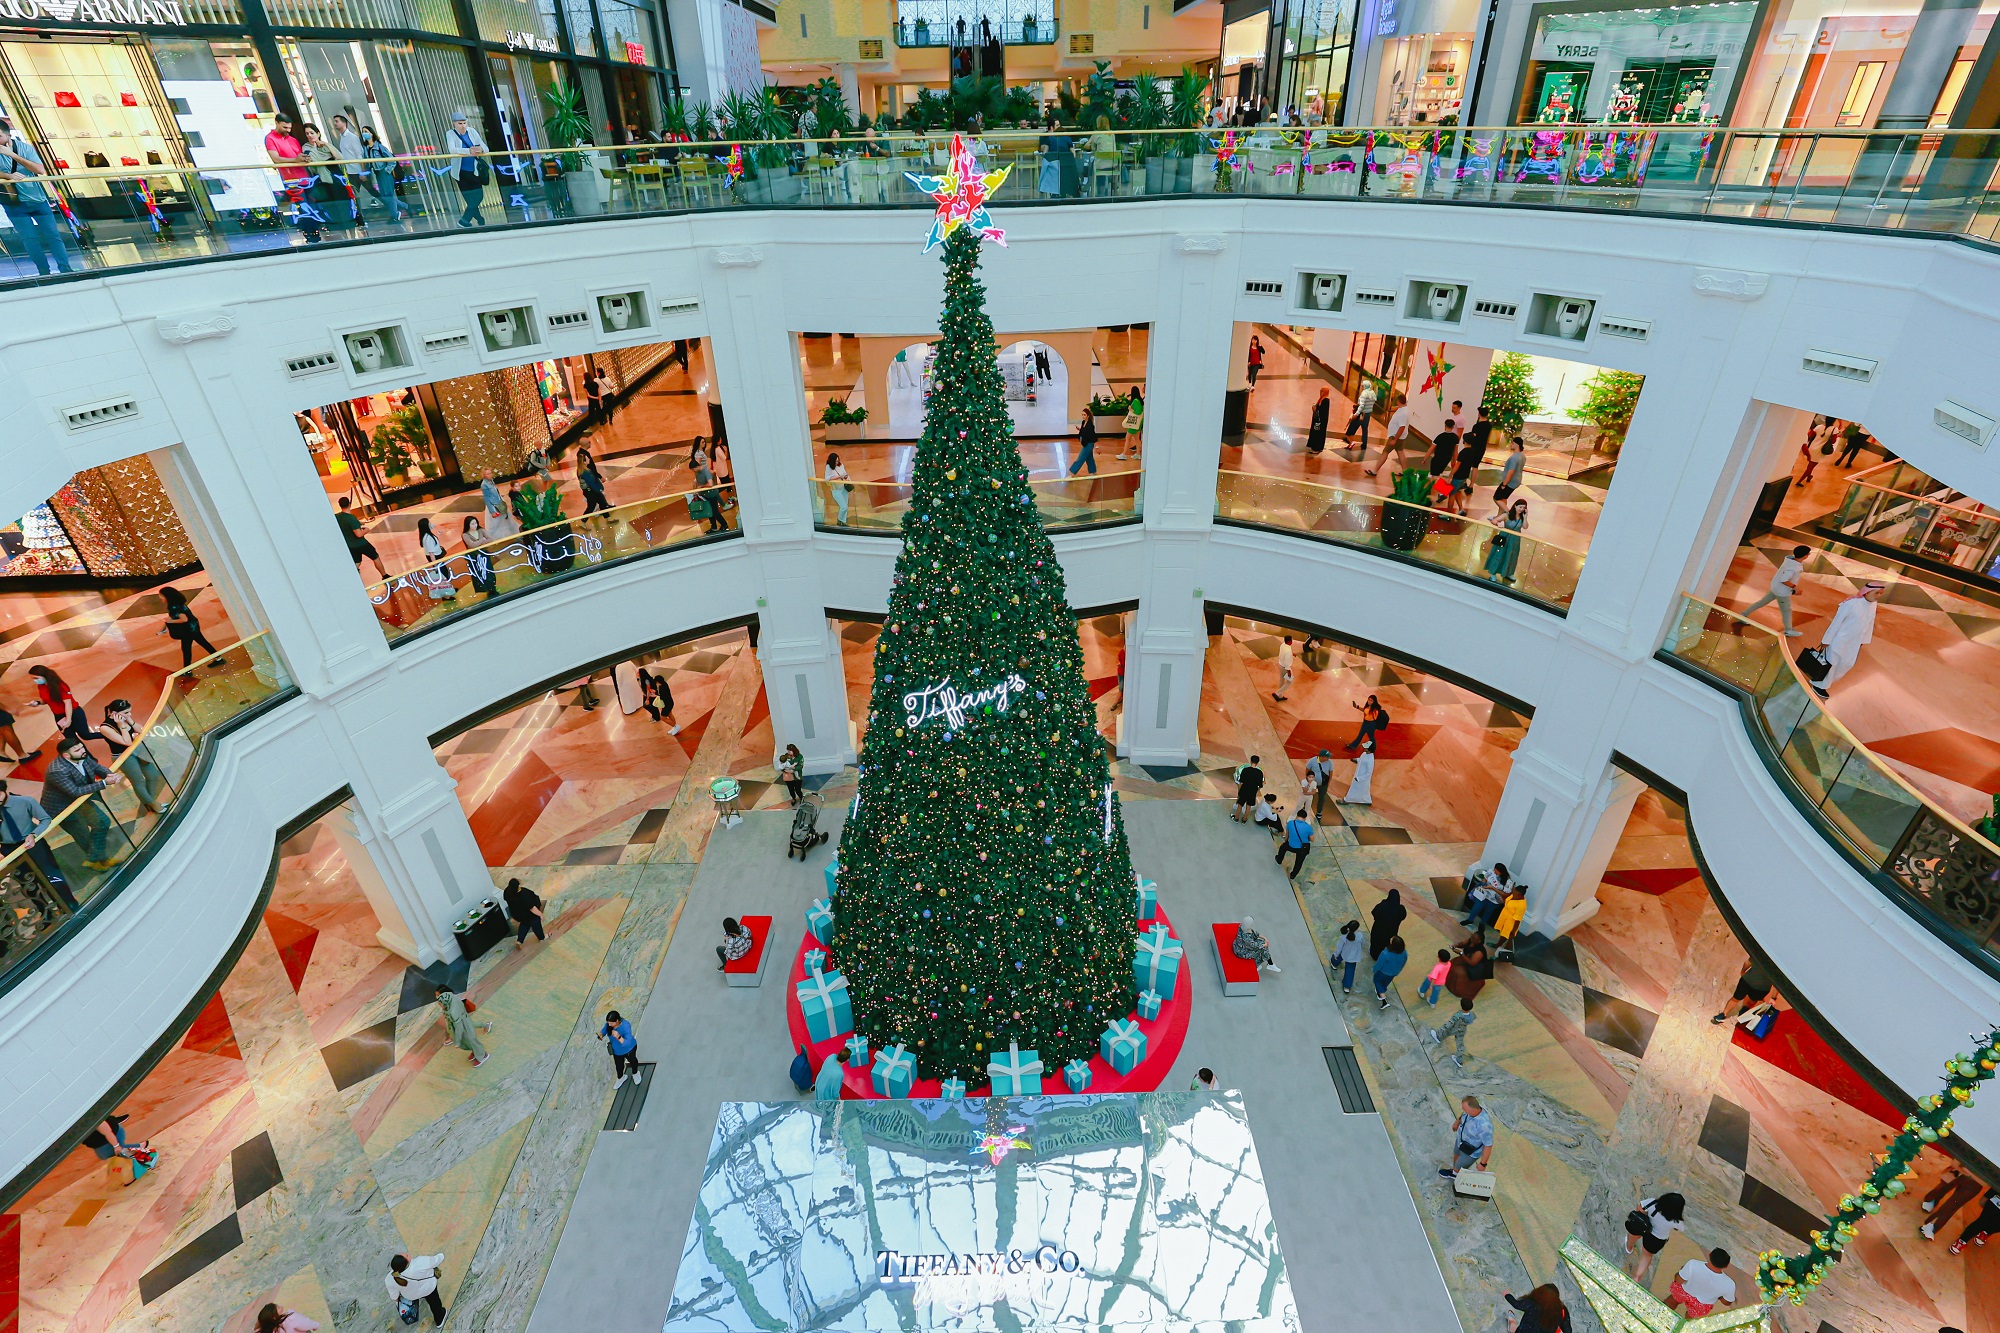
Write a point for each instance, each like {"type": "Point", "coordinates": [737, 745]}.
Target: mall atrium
{"type": "Point", "coordinates": [999, 665]}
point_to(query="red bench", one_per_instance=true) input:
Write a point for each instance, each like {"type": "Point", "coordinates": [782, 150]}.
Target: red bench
{"type": "Point", "coordinates": [749, 969]}
{"type": "Point", "coordinates": [1239, 975]}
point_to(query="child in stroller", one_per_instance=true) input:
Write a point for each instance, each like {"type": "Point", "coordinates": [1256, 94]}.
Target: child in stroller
{"type": "Point", "coordinates": [806, 833]}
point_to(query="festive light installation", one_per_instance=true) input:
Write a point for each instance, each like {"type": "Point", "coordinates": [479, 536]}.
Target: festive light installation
{"type": "Point", "coordinates": [1782, 1277]}
{"type": "Point", "coordinates": [1439, 368]}
{"type": "Point", "coordinates": [979, 900]}
{"type": "Point", "coordinates": [961, 195]}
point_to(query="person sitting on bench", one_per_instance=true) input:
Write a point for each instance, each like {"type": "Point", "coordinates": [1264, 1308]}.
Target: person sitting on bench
{"type": "Point", "coordinates": [1249, 944]}
{"type": "Point", "coordinates": [736, 942]}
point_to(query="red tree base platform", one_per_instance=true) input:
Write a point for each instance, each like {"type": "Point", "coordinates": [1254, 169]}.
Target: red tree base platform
{"type": "Point", "coordinates": [1164, 1036]}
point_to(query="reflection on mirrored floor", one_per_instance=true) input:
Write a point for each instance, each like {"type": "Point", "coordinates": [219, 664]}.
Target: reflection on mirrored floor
{"type": "Point", "coordinates": [1144, 1210]}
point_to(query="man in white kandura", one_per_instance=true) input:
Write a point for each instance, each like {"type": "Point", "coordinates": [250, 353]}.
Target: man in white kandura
{"type": "Point", "coordinates": [1853, 627]}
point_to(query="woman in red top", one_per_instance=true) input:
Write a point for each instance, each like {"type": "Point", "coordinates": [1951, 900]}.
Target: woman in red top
{"type": "Point", "coordinates": [62, 705]}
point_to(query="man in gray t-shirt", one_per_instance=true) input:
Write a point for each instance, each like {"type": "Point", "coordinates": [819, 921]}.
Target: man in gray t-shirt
{"type": "Point", "coordinates": [1784, 587]}
{"type": "Point", "coordinates": [25, 200]}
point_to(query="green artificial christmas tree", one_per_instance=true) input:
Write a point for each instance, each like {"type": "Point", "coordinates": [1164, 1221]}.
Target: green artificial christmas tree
{"type": "Point", "coordinates": [985, 892]}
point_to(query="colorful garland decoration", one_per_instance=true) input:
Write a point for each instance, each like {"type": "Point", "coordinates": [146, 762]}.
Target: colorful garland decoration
{"type": "Point", "coordinates": [1780, 1277]}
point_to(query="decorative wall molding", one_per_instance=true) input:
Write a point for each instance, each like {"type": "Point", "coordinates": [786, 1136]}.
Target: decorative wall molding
{"type": "Point", "coordinates": [1201, 245]}
{"type": "Point", "coordinates": [1733, 284]}
{"type": "Point", "coordinates": [744, 258]}
{"type": "Point", "coordinates": [185, 329]}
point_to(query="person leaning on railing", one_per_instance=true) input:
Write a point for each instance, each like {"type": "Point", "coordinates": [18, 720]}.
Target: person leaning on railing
{"type": "Point", "coordinates": [23, 821]}
{"type": "Point", "coordinates": [71, 778]}
{"type": "Point", "coordinates": [26, 202]}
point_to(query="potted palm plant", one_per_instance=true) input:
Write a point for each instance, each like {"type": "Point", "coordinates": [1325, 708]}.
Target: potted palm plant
{"type": "Point", "coordinates": [567, 120]}
{"type": "Point", "coordinates": [541, 509]}
{"type": "Point", "coordinates": [1184, 112]}
{"type": "Point", "coordinates": [1404, 524]}
{"type": "Point", "coordinates": [841, 421]}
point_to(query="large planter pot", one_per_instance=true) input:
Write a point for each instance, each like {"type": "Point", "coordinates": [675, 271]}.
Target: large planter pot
{"type": "Point", "coordinates": [586, 188]}
{"type": "Point", "coordinates": [1404, 526]}
{"type": "Point", "coordinates": [1111, 425]}
{"type": "Point", "coordinates": [553, 551]}
{"type": "Point", "coordinates": [837, 431]}
{"type": "Point", "coordinates": [1183, 175]}
{"type": "Point", "coordinates": [773, 188]}
{"type": "Point", "coordinates": [1159, 173]}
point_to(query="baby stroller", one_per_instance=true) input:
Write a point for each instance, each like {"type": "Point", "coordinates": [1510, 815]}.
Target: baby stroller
{"type": "Point", "coordinates": [806, 833]}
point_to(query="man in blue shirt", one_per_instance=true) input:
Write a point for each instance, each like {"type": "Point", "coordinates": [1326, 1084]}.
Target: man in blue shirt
{"type": "Point", "coordinates": [1472, 1139]}
{"type": "Point", "coordinates": [617, 1032]}
{"type": "Point", "coordinates": [22, 824]}
{"type": "Point", "coordinates": [1298, 841]}
{"type": "Point", "coordinates": [26, 202]}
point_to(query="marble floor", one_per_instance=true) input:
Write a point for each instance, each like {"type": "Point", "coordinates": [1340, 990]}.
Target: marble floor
{"type": "Point", "coordinates": [1562, 509]}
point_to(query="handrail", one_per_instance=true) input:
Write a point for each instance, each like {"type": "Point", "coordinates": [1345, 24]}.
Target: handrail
{"type": "Point", "coordinates": [1049, 501]}
{"type": "Point", "coordinates": [38, 891]}
{"type": "Point", "coordinates": [1978, 508]}
{"type": "Point", "coordinates": [1881, 820]}
{"type": "Point", "coordinates": [1935, 181]}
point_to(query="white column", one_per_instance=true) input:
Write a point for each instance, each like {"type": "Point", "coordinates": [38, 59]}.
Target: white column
{"type": "Point", "coordinates": [798, 650]}
{"type": "Point", "coordinates": [755, 370]}
{"type": "Point", "coordinates": [1187, 362]}
{"type": "Point", "coordinates": [1768, 451]}
{"type": "Point", "coordinates": [1164, 650]}
{"type": "Point", "coordinates": [1236, 394]}
{"type": "Point", "coordinates": [357, 842]}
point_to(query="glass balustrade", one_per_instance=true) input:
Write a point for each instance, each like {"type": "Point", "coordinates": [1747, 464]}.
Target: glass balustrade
{"type": "Point", "coordinates": [1536, 569]}
{"type": "Point", "coordinates": [1882, 820]}
{"type": "Point", "coordinates": [467, 580]}
{"type": "Point", "coordinates": [1937, 181]}
{"type": "Point", "coordinates": [1063, 502]}
{"type": "Point", "coordinates": [78, 856]}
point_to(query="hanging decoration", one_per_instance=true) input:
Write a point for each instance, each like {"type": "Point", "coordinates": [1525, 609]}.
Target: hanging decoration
{"type": "Point", "coordinates": [961, 195]}
{"type": "Point", "coordinates": [1434, 382]}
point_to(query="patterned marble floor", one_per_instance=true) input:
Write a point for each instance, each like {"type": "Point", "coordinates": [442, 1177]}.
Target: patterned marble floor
{"type": "Point", "coordinates": [313, 1121]}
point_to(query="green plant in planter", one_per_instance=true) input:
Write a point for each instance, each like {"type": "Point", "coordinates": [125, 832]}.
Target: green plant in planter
{"type": "Point", "coordinates": [1610, 397]}
{"type": "Point", "coordinates": [541, 508]}
{"type": "Point", "coordinates": [702, 123]}
{"type": "Point", "coordinates": [1404, 525]}
{"type": "Point", "coordinates": [540, 505]}
{"type": "Point", "coordinates": [829, 108]}
{"type": "Point", "coordinates": [567, 120]}
{"type": "Point", "coordinates": [1107, 407]}
{"type": "Point", "coordinates": [838, 413]}
{"type": "Point", "coordinates": [393, 447]}
{"type": "Point", "coordinates": [1510, 397]}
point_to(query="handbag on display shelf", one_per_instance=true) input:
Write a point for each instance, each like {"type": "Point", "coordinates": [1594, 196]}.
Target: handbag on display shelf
{"type": "Point", "coordinates": [67, 99]}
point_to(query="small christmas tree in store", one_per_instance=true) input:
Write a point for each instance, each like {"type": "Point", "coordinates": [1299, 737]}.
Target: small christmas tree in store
{"type": "Point", "coordinates": [985, 889]}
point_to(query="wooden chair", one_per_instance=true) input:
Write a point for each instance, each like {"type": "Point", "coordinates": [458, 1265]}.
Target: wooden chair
{"type": "Point", "coordinates": [615, 180]}
{"type": "Point", "coordinates": [649, 181]}
{"type": "Point", "coordinates": [697, 176]}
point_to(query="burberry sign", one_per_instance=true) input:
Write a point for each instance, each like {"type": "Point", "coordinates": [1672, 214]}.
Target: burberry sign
{"type": "Point", "coordinates": [110, 13]}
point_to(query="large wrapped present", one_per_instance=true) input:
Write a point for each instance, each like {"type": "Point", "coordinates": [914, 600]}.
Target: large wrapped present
{"type": "Point", "coordinates": [952, 1089]}
{"type": "Point", "coordinates": [1157, 962]}
{"type": "Point", "coordinates": [832, 879]}
{"type": "Point", "coordinates": [823, 999]}
{"type": "Point", "coordinates": [1122, 1045]}
{"type": "Point", "coordinates": [819, 920]}
{"type": "Point", "coordinates": [1077, 1074]}
{"type": "Point", "coordinates": [1149, 1005]}
{"type": "Point", "coordinates": [857, 1051]}
{"type": "Point", "coordinates": [815, 960]}
{"type": "Point", "coordinates": [1149, 897]}
{"type": "Point", "coordinates": [895, 1069]}
{"type": "Point", "coordinates": [1018, 1073]}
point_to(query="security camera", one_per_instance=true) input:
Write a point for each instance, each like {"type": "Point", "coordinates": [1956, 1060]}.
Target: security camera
{"type": "Point", "coordinates": [1572, 319]}
{"type": "Point", "coordinates": [1325, 291]}
{"type": "Point", "coordinates": [501, 327]}
{"type": "Point", "coordinates": [617, 312]}
{"type": "Point", "coordinates": [366, 351]}
{"type": "Point", "coordinates": [1440, 301]}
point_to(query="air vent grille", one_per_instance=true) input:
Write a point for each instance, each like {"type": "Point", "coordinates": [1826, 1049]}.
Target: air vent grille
{"type": "Point", "coordinates": [1970, 426]}
{"type": "Point", "coordinates": [1496, 309]}
{"type": "Point", "coordinates": [1374, 298]}
{"type": "Point", "coordinates": [685, 305]}
{"type": "Point", "coordinates": [1263, 289]}
{"type": "Point", "coordinates": [100, 414]}
{"type": "Point", "coordinates": [569, 319]}
{"type": "Point", "coordinates": [446, 340]}
{"type": "Point", "coordinates": [1839, 365]}
{"type": "Point", "coordinates": [298, 367]}
{"type": "Point", "coordinates": [1636, 329]}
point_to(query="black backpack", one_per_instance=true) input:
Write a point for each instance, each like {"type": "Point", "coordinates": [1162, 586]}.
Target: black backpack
{"type": "Point", "coordinates": [802, 1071]}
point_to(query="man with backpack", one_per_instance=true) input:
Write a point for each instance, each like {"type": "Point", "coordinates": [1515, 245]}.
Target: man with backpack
{"type": "Point", "coordinates": [1298, 841]}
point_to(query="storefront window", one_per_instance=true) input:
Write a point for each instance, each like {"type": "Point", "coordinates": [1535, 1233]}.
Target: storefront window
{"type": "Point", "coordinates": [1673, 65]}
{"type": "Point", "coordinates": [1828, 64]}
{"type": "Point", "coordinates": [628, 31]}
{"type": "Point", "coordinates": [638, 94]}
{"type": "Point", "coordinates": [582, 28]}
{"type": "Point", "coordinates": [1244, 43]}
{"type": "Point", "coordinates": [423, 15]}
{"type": "Point", "coordinates": [519, 82]}
{"type": "Point", "coordinates": [408, 91]}
{"type": "Point", "coordinates": [522, 25]}
{"type": "Point", "coordinates": [37, 546]}
{"type": "Point", "coordinates": [220, 97]}
{"type": "Point", "coordinates": [1318, 43]}
{"type": "Point", "coordinates": [1423, 78]}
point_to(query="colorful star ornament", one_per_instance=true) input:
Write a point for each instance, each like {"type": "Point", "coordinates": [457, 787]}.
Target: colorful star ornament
{"type": "Point", "coordinates": [1434, 382]}
{"type": "Point", "coordinates": [735, 165]}
{"type": "Point", "coordinates": [1790, 1277]}
{"type": "Point", "coordinates": [997, 1146]}
{"type": "Point", "coordinates": [961, 195]}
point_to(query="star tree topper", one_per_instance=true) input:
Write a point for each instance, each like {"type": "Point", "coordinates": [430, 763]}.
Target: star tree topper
{"type": "Point", "coordinates": [961, 195]}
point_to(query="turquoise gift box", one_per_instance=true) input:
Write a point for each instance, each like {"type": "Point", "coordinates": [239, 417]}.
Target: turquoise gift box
{"type": "Point", "coordinates": [1018, 1073]}
{"type": "Point", "coordinates": [832, 879]}
{"type": "Point", "coordinates": [1149, 1005]}
{"type": "Point", "coordinates": [1157, 962]}
{"type": "Point", "coordinates": [952, 1089]}
{"type": "Point", "coordinates": [823, 1000]}
{"type": "Point", "coordinates": [1077, 1074]}
{"type": "Point", "coordinates": [815, 960]}
{"type": "Point", "coordinates": [1122, 1045]}
{"type": "Point", "coordinates": [895, 1069]}
{"type": "Point", "coordinates": [857, 1050]}
{"type": "Point", "coordinates": [819, 920]}
{"type": "Point", "coordinates": [1149, 897]}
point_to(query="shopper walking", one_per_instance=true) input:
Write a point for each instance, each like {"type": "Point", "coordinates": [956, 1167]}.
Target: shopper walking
{"type": "Point", "coordinates": [1852, 629]}
{"type": "Point", "coordinates": [379, 177]}
{"type": "Point", "coordinates": [1249, 783]}
{"type": "Point", "coordinates": [736, 941]}
{"type": "Point", "coordinates": [524, 909]}
{"type": "Point", "coordinates": [437, 578]}
{"type": "Point", "coordinates": [1471, 453]}
{"type": "Point", "coordinates": [840, 486]}
{"type": "Point", "coordinates": [700, 462]}
{"type": "Point", "coordinates": [1453, 1030]}
{"type": "Point", "coordinates": [56, 696]}
{"type": "Point", "coordinates": [1701, 1286]}
{"type": "Point", "coordinates": [1853, 440]}
{"type": "Point", "coordinates": [1647, 1230]}
{"type": "Point", "coordinates": [624, 1047]}
{"type": "Point", "coordinates": [1983, 1224]}
{"type": "Point", "coordinates": [11, 740]}
{"type": "Point", "coordinates": [1542, 1310]}
{"type": "Point", "coordinates": [1503, 555]}
{"type": "Point", "coordinates": [1361, 790]}
{"type": "Point", "coordinates": [1783, 587]}
{"type": "Point", "coordinates": [1956, 1188]}
{"type": "Point", "coordinates": [1373, 719]}
{"type": "Point", "coordinates": [607, 390]}
{"type": "Point", "coordinates": [594, 412]}
{"type": "Point", "coordinates": [1432, 985]}
{"type": "Point", "coordinates": [287, 154]}
{"type": "Point", "coordinates": [1319, 772]}
{"type": "Point", "coordinates": [470, 171]}
{"type": "Point", "coordinates": [591, 482]}
{"type": "Point", "coordinates": [1298, 842]}
{"type": "Point", "coordinates": [1471, 969]}
{"type": "Point", "coordinates": [1316, 432]}
{"type": "Point", "coordinates": [1385, 920]}
{"type": "Point", "coordinates": [1253, 947]}
{"type": "Point", "coordinates": [1255, 361]}
{"type": "Point", "coordinates": [73, 777]}
{"type": "Point", "coordinates": [1348, 951]}
{"type": "Point", "coordinates": [358, 545]}
{"type": "Point", "coordinates": [1135, 423]}
{"type": "Point", "coordinates": [121, 732]}
{"type": "Point", "coordinates": [1086, 445]}
{"type": "Point", "coordinates": [1364, 412]}
{"type": "Point", "coordinates": [23, 821]}
{"type": "Point", "coordinates": [1284, 669]}
{"type": "Point", "coordinates": [791, 772]}
{"type": "Point", "coordinates": [25, 201]}
{"type": "Point", "coordinates": [1397, 434]}
{"type": "Point", "coordinates": [411, 1281]}
{"type": "Point", "coordinates": [326, 184]}
{"type": "Point", "coordinates": [1472, 1138]}
{"type": "Point", "coordinates": [459, 1025]}
{"type": "Point", "coordinates": [1444, 448]}
{"type": "Point", "coordinates": [1510, 471]}
{"type": "Point", "coordinates": [183, 626]}
{"type": "Point", "coordinates": [1389, 964]}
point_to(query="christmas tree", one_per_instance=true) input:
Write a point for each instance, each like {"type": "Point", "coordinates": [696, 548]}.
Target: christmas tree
{"type": "Point", "coordinates": [985, 892]}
